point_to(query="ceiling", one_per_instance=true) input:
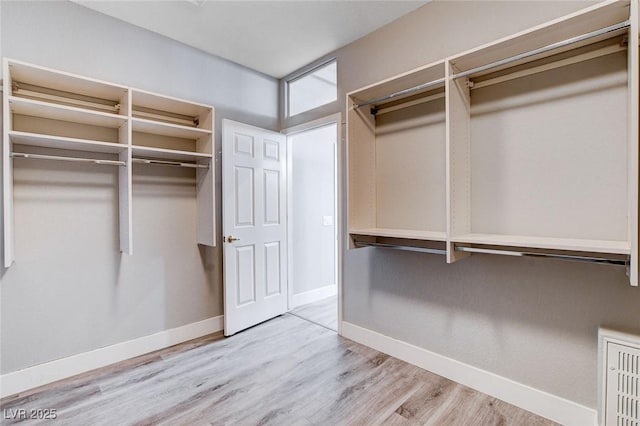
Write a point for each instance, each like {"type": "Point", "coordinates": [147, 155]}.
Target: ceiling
{"type": "Point", "coordinates": [273, 37]}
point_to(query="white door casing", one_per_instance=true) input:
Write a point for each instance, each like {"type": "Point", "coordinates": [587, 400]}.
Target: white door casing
{"type": "Point", "coordinates": [254, 189]}
{"type": "Point", "coordinates": [341, 237]}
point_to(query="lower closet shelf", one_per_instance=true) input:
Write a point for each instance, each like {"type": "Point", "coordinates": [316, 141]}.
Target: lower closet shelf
{"type": "Point", "coordinates": [400, 233]}
{"type": "Point", "coordinates": [567, 244]}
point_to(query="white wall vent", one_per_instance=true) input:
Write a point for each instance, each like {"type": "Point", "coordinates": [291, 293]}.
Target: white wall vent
{"type": "Point", "coordinates": [620, 379]}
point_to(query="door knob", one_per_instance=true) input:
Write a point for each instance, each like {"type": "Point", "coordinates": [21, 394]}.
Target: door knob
{"type": "Point", "coordinates": [231, 239]}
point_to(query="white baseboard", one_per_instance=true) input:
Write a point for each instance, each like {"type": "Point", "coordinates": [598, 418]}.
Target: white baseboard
{"type": "Point", "coordinates": [42, 374]}
{"type": "Point", "coordinates": [534, 400]}
{"type": "Point", "coordinates": [314, 295]}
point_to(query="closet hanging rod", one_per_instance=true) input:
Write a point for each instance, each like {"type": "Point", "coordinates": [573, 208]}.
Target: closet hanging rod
{"type": "Point", "coordinates": [74, 159]}
{"type": "Point", "coordinates": [169, 163]}
{"type": "Point", "coordinates": [401, 247]}
{"type": "Point", "coordinates": [575, 258]}
{"type": "Point", "coordinates": [193, 122]}
{"type": "Point", "coordinates": [604, 51]}
{"type": "Point", "coordinates": [547, 48]}
{"type": "Point", "coordinates": [78, 103]}
{"type": "Point", "coordinates": [385, 110]}
{"type": "Point", "coordinates": [401, 93]}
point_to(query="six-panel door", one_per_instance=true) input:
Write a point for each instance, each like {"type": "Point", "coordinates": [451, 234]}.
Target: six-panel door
{"type": "Point", "coordinates": [255, 251]}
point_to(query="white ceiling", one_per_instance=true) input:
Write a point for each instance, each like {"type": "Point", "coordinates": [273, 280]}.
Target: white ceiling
{"type": "Point", "coordinates": [274, 37]}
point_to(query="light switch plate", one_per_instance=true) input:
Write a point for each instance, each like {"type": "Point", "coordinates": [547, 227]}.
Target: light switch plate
{"type": "Point", "coordinates": [327, 220]}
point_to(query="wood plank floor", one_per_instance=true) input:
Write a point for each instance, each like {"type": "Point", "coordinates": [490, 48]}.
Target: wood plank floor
{"type": "Point", "coordinates": [323, 312]}
{"type": "Point", "coordinates": [286, 371]}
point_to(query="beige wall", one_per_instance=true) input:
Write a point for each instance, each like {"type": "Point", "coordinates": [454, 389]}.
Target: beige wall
{"type": "Point", "coordinates": [534, 321]}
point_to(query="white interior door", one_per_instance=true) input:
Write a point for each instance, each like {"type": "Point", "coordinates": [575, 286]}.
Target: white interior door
{"type": "Point", "coordinates": [254, 225]}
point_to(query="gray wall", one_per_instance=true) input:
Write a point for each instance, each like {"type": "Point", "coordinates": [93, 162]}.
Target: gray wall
{"type": "Point", "coordinates": [533, 321]}
{"type": "Point", "coordinates": [70, 290]}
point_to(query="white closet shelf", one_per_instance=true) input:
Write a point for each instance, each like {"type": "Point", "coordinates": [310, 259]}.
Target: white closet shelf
{"type": "Point", "coordinates": [401, 233]}
{"type": "Point", "coordinates": [165, 129]}
{"type": "Point", "coordinates": [599, 16]}
{"type": "Point", "coordinates": [51, 111]}
{"type": "Point", "coordinates": [159, 102]}
{"type": "Point", "coordinates": [63, 81]}
{"type": "Point", "coordinates": [168, 154]}
{"type": "Point", "coordinates": [569, 244]}
{"type": "Point", "coordinates": [410, 82]}
{"type": "Point", "coordinates": [59, 142]}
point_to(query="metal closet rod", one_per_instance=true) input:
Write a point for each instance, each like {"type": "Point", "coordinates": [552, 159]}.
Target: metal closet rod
{"type": "Point", "coordinates": [574, 258]}
{"type": "Point", "coordinates": [74, 159]}
{"type": "Point", "coordinates": [620, 262]}
{"type": "Point", "coordinates": [408, 91]}
{"type": "Point", "coordinates": [543, 49]}
{"type": "Point", "coordinates": [401, 247]}
{"type": "Point", "coordinates": [169, 163]}
{"type": "Point", "coordinates": [114, 109]}
{"type": "Point", "coordinates": [107, 162]}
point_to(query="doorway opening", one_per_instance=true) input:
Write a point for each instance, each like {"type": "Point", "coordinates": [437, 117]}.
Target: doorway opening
{"type": "Point", "coordinates": [313, 221]}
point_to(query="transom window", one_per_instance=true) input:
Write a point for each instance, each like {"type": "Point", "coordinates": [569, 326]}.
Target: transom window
{"type": "Point", "coordinates": [313, 89]}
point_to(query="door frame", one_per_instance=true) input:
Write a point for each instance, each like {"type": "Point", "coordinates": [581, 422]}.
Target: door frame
{"type": "Point", "coordinates": [310, 125]}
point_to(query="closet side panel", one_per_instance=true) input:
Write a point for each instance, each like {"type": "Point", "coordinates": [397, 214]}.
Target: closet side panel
{"type": "Point", "coordinates": [206, 226]}
{"type": "Point", "coordinates": [633, 137]}
{"type": "Point", "coordinates": [361, 168]}
{"type": "Point", "coordinates": [458, 161]}
{"type": "Point", "coordinates": [125, 181]}
{"type": "Point", "coordinates": [7, 171]}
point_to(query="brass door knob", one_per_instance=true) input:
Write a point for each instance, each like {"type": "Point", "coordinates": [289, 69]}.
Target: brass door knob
{"type": "Point", "coordinates": [231, 239]}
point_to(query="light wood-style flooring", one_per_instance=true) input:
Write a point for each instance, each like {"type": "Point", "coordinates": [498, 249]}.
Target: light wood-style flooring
{"type": "Point", "coordinates": [286, 371]}
{"type": "Point", "coordinates": [323, 312]}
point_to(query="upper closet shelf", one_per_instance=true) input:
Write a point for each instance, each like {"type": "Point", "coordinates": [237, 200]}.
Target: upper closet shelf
{"type": "Point", "coordinates": [551, 49]}
{"type": "Point", "coordinates": [58, 142]}
{"type": "Point", "coordinates": [156, 102]}
{"type": "Point", "coordinates": [401, 94]}
{"type": "Point", "coordinates": [167, 129]}
{"type": "Point", "coordinates": [65, 82]}
{"type": "Point", "coordinates": [585, 27]}
{"type": "Point", "coordinates": [52, 111]}
{"type": "Point", "coordinates": [415, 82]}
{"type": "Point", "coordinates": [566, 244]}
